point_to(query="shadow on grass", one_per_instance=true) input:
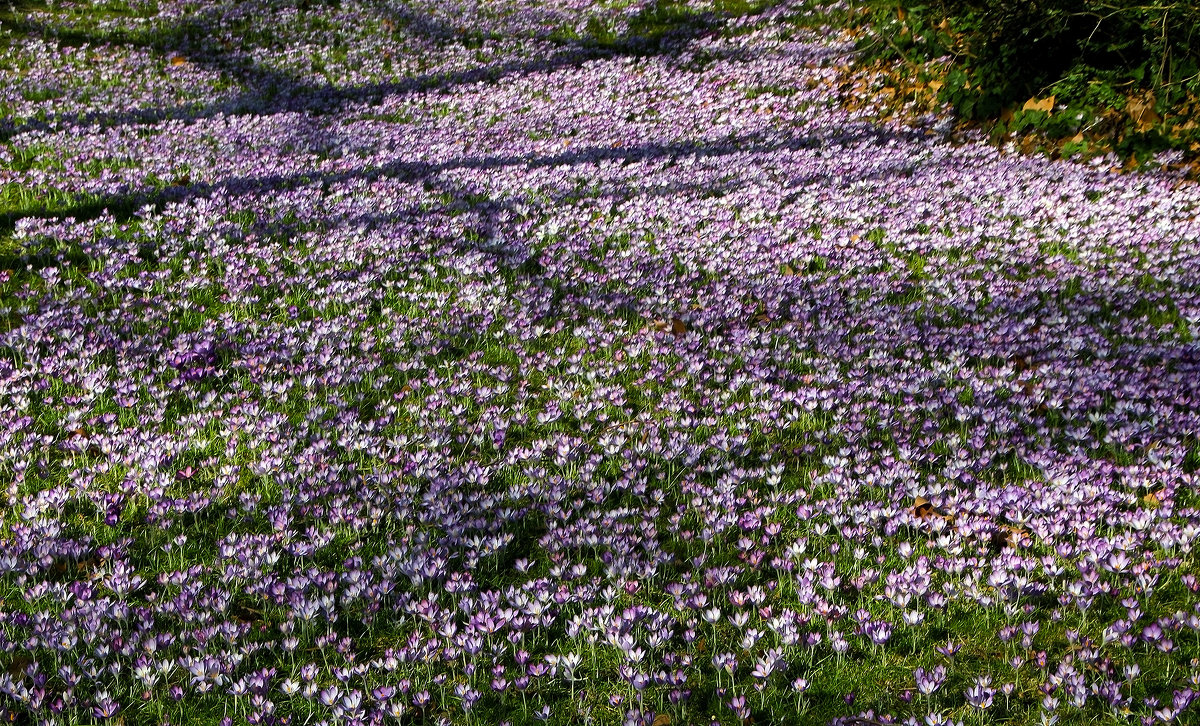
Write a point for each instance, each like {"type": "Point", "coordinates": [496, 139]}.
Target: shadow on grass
{"type": "Point", "coordinates": [660, 29]}
{"type": "Point", "coordinates": [122, 207]}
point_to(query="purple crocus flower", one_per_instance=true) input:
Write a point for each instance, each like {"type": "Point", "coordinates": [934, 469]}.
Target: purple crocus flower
{"type": "Point", "coordinates": [930, 681]}
{"type": "Point", "coordinates": [980, 693]}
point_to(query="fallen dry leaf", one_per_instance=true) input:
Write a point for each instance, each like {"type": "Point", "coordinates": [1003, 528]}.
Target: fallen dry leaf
{"type": "Point", "coordinates": [16, 667]}
{"type": "Point", "coordinates": [1006, 536]}
{"type": "Point", "coordinates": [1035, 104]}
{"type": "Point", "coordinates": [1141, 111]}
{"type": "Point", "coordinates": [922, 507]}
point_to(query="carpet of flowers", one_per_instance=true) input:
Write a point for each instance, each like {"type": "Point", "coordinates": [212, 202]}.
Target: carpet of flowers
{"type": "Point", "coordinates": [374, 362]}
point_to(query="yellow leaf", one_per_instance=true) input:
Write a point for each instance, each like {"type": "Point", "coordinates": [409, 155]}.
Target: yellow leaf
{"type": "Point", "coordinates": [935, 86]}
{"type": "Point", "coordinates": [1045, 104]}
{"type": "Point", "coordinates": [178, 60]}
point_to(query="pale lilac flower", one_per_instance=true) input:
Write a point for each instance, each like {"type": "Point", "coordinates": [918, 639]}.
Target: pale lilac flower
{"type": "Point", "coordinates": [929, 681]}
{"type": "Point", "coordinates": [980, 694]}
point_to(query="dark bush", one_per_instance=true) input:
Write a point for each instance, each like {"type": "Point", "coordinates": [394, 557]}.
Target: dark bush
{"type": "Point", "coordinates": [1129, 68]}
{"type": "Point", "coordinates": [1022, 47]}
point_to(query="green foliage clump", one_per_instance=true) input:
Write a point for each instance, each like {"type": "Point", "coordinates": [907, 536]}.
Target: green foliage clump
{"type": "Point", "coordinates": [1020, 48]}
{"type": "Point", "coordinates": [1123, 73]}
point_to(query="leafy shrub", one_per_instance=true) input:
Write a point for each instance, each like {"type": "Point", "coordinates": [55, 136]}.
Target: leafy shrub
{"type": "Point", "coordinates": [1020, 47]}
{"type": "Point", "coordinates": [1126, 68]}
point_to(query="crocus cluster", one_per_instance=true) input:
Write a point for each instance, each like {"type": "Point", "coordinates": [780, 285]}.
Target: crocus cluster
{"type": "Point", "coordinates": [505, 362]}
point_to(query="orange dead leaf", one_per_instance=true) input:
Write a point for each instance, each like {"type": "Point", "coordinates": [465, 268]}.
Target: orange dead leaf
{"type": "Point", "coordinates": [922, 508]}
{"type": "Point", "coordinates": [1141, 111]}
{"type": "Point", "coordinates": [1006, 115]}
{"type": "Point", "coordinates": [935, 86]}
{"type": "Point", "coordinates": [1034, 104]}
{"type": "Point", "coordinates": [662, 719]}
{"type": "Point", "coordinates": [678, 327]}
{"type": "Point", "coordinates": [177, 60]}
{"type": "Point", "coordinates": [74, 567]}
{"type": "Point", "coordinates": [1152, 499]}
{"type": "Point", "coordinates": [16, 667]}
{"type": "Point", "coordinates": [1006, 536]}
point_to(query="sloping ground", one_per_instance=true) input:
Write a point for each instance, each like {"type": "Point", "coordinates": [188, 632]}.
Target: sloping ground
{"type": "Point", "coordinates": [375, 363]}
